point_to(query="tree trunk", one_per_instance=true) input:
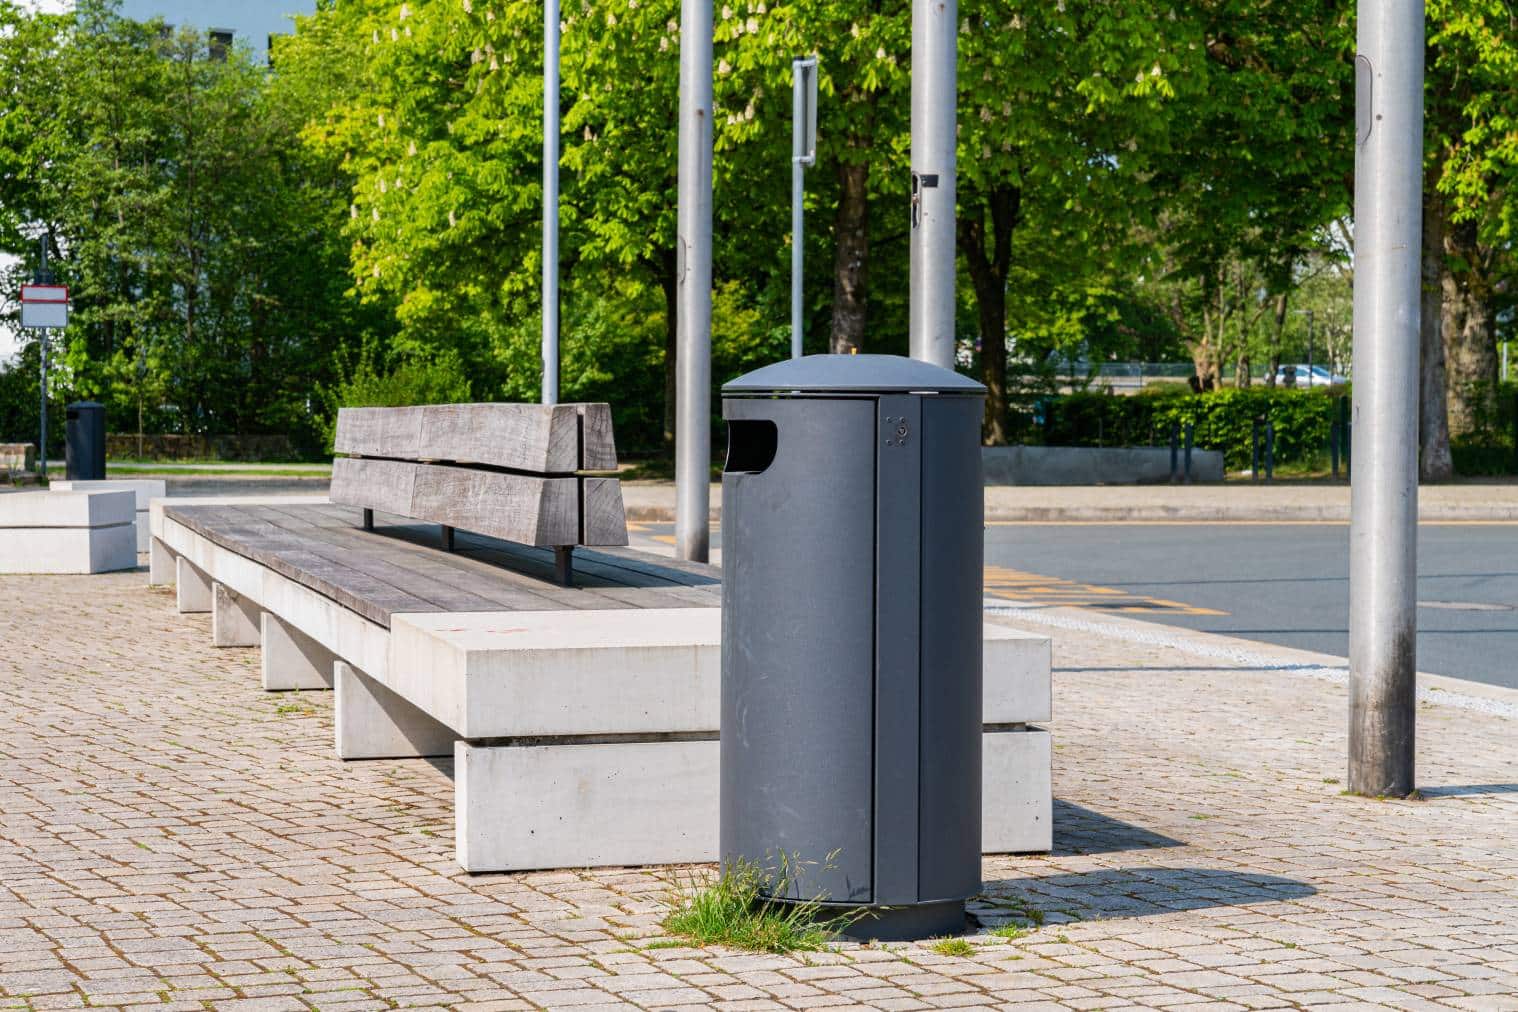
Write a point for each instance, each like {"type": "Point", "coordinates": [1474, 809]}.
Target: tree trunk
{"type": "Point", "coordinates": [1470, 340]}
{"type": "Point", "coordinates": [988, 275]}
{"type": "Point", "coordinates": [670, 284]}
{"type": "Point", "coordinates": [1275, 341]}
{"type": "Point", "coordinates": [851, 261]}
{"type": "Point", "coordinates": [1434, 461]}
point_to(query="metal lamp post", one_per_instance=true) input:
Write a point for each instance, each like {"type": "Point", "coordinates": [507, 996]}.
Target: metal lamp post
{"type": "Point", "coordinates": [934, 101]}
{"type": "Point", "coordinates": [693, 253]}
{"type": "Point", "coordinates": [1384, 493]}
{"type": "Point", "coordinates": [551, 201]}
{"type": "Point", "coordinates": [803, 157]}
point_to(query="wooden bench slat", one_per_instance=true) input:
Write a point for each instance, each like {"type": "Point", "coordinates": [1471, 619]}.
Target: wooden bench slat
{"type": "Point", "coordinates": [527, 509]}
{"type": "Point", "coordinates": [540, 438]}
{"type": "Point", "coordinates": [399, 569]}
{"type": "Point", "coordinates": [498, 588]}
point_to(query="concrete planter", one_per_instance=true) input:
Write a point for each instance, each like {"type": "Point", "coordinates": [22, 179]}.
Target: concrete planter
{"type": "Point", "coordinates": [1089, 465]}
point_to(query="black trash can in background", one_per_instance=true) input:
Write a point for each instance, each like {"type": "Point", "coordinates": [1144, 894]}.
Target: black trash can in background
{"type": "Point", "coordinates": [84, 441]}
{"type": "Point", "coordinates": [852, 545]}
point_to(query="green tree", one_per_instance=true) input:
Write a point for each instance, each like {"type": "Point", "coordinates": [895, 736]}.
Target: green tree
{"type": "Point", "coordinates": [1471, 165]}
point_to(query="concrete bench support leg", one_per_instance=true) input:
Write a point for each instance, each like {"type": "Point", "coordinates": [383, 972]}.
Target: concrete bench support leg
{"type": "Point", "coordinates": [373, 722]}
{"type": "Point", "coordinates": [234, 618]}
{"type": "Point", "coordinates": [1017, 816]}
{"type": "Point", "coordinates": [161, 564]}
{"type": "Point", "coordinates": [293, 660]}
{"type": "Point", "coordinates": [522, 807]}
{"type": "Point", "coordinates": [194, 587]}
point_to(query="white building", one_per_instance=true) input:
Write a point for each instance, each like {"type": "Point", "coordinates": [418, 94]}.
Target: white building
{"type": "Point", "coordinates": [226, 22]}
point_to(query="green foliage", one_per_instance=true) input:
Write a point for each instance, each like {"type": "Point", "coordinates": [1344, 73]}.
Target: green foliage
{"type": "Point", "coordinates": [1489, 449]}
{"type": "Point", "coordinates": [198, 235]}
{"type": "Point", "coordinates": [1223, 420]}
{"type": "Point", "coordinates": [439, 379]}
{"type": "Point", "coordinates": [957, 947]}
{"type": "Point", "coordinates": [734, 909]}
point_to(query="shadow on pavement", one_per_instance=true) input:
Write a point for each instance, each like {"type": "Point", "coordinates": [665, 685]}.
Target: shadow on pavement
{"type": "Point", "coordinates": [1080, 830]}
{"type": "Point", "coordinates": [1139, 892]}
{"type": "Point", "coordinates": [1467, 790]}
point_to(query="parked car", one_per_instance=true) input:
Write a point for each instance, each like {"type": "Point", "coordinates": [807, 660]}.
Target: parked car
{"type": "Point", "coordinates": [1297, 376]}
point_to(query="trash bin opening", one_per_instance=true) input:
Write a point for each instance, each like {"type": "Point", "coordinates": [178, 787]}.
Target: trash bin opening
{"type": "Point", "coordinates": [751, 445]}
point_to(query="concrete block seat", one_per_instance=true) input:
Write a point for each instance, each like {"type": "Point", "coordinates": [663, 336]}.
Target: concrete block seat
{"type": "Point", "coordinates": [67, 532]}
{"type": "Point", "coordinates": [145, 489]}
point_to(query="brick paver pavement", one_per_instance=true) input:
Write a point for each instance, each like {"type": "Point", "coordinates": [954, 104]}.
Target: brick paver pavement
{"type": "Point", "coordinates": [171, 834]}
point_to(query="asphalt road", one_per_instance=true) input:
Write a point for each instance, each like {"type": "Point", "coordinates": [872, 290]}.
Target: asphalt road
{"type": "Point", "coordinates": [1278, 583]}
{"type": "Point", "coordinates": [1289, 584]}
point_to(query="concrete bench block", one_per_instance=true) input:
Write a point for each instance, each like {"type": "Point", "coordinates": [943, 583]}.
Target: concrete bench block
{"type": "Point", "coordinates": [66, 532]}
{"type": "Point", "coordinates": [291, 659]}
{"type": "Point", "coordinates": [524, 807]}
{"type": "Point", "coordinates": [144, 489]}
{"type": "Point", "coordinates": [509, 674]}
{"type": "Point", "coordinates": [371, 722]}
{"type": "Point", "coordinates": [1017, 687]}
{"type": "Point", "coordinates": [192, 587]}
{"type": "Point", "coordinates": [161, 563]}
{"type": "Point", "coordinates": [571, 806]}
{"type": "Point", "coordinates": [1017, 791]}
{"type": "Point", "coordinates": [79, 550]}
{"type": "Point", "coordinates": [234, 618]}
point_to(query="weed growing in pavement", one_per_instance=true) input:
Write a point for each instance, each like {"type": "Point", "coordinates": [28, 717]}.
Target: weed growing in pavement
{"type": "Point", "coordinates": [953, 947]}
{"type": "Point", "coordinates": [734, 908]}
{"type": "Point", "coordinates": [1010, 931]}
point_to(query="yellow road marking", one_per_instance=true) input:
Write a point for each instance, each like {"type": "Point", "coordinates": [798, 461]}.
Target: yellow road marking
{"type": "Point", "coordinates": [1031, 588]}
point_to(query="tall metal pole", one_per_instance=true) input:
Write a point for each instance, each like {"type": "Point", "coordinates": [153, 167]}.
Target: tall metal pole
{"type": "Point", "coordinates": [934, 55]}
{"type": "Point", "coordinates": [693, 433]}
{"type": "Point", "coordinates": [44, 277]}
{"type": "Point", "coordinates": [1384, 491]}
{"type": "Point", "coordinates": [42, 446]}
{"type": "Point", "coordinates": [551, 201]}
{"type": "Point", "coordinates": [798, 195]}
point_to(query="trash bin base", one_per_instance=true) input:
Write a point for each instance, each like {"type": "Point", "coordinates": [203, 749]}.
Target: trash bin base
{"type": "Point", "coordinates": [909, 923]}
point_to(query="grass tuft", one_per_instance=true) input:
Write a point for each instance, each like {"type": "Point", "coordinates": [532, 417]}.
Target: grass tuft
{"type": "Point", "coordinates": [733, 909]}
{"type": "Point", "coordinates": [953, 947]}
{"type": "Point", "coordinates": [1010, 931]}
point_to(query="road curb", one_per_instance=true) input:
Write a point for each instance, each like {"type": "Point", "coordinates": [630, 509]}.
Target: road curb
{"type": "Point", "coordinates": [1191, 515]}
{"type": "Point", "coordinates": [1436, 690]}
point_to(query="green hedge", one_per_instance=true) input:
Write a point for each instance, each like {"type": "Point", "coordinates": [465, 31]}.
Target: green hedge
{"type": "Point", "coordinates": [1224, 420]}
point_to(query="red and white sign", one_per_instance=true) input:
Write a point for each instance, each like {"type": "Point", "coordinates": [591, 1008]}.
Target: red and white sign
{"type": "Point", "coordinates": [44, 306]}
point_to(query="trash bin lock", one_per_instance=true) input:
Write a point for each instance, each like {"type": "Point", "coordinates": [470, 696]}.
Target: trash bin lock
{"type": "Point", "coordinates": [851, 649]}
{"type": "Point", "coordinates": [84, 441]}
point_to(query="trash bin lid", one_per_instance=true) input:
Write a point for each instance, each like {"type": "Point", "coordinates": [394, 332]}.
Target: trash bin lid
{"type": "Point", "coordinates": [853, 374]}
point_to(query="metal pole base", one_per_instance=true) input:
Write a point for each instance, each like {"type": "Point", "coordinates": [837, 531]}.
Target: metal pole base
{"type": "Point", "coordinates": [564, 565]}
{"type": "Point", "coordinates": [368, 520]}
{"type": "Point", "coordinates": [906, 923]}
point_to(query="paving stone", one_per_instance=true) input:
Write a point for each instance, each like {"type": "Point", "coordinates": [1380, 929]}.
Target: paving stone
{"type": "Point", "coordinates": [173, 836]}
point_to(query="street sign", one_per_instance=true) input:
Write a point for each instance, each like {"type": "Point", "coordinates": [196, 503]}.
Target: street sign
{"type": "Point", "coordinates": [44, 306]}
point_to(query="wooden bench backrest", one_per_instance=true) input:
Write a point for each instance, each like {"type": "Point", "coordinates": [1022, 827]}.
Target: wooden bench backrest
{"type": "Point", "coordinates": [522, 472]}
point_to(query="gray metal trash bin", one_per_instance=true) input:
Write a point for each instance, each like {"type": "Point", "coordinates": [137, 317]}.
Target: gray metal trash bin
{"type": "Point", "coordinates": [852, 545]}
{"type": "Point", "coordinates": [84, 441]}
